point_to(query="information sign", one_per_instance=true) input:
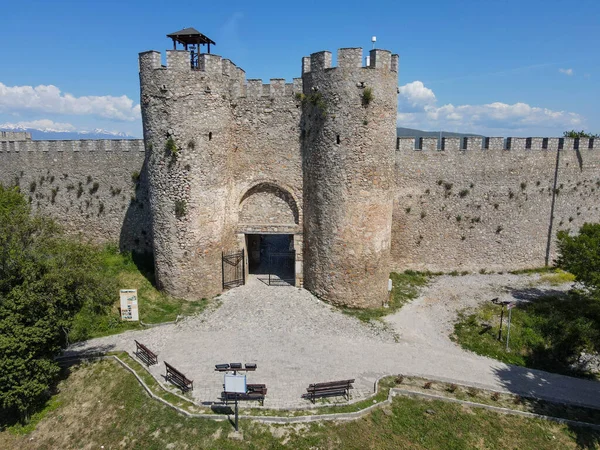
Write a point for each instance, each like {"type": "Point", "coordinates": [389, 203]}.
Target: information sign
{"type": "Point", "coordinates": [129, 305]}
{"type": "Point", "coordinates": [235, 383]}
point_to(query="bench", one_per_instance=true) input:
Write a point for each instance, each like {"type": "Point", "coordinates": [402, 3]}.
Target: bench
{"type": "Point", "coordinates": [177, 378]}
{"type": "Point", "coordinates": [258, 396]}
{"type": "Point", "coordinates": [329, 389]}
{"type": "Point", "coordinates": [235, 367]}
{"type": "Point", "coordinates": [257, 388]}
{"type": "Point", "coordinates": [253, 392]}
{"type": "Point", "coordinates": [145, 354]}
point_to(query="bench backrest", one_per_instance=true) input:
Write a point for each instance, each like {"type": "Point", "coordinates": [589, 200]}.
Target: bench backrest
{"type": "Point", "coordinates": [341, 383]}
{"type": "Point", "coordinates": [170, 368]}
{"type": "Point", "coordinates": [144, 348]}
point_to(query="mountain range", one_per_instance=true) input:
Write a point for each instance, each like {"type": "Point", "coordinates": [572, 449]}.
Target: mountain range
{"type": "Point", "coordinates": [52, 135]}
{"type": "Point", "coordinates": [411, 132]}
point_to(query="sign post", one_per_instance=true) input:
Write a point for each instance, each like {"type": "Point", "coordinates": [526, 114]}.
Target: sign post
{"type": "Point", "coordinates": [129, 305]}
{"type": "Point", "coordinates": [237, 385]}
{"type": "Point", "coordinates": [510, 308]}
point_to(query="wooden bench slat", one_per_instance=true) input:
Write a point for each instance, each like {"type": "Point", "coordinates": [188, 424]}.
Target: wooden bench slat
{"type": "Point", "coordinates": [180, 379]}
{"type": "Point", "coordinates": [329, 389]}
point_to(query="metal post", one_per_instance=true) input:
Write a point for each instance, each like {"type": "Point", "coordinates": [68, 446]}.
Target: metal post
{"type": "Point", "coordinates": [500, 330]}
{"type": "Point", "coordinates": [236, 412]}
{"type": "Point", "coordinates": [508, 330]}
{"type": "Point", "coordinates": [243, 267]}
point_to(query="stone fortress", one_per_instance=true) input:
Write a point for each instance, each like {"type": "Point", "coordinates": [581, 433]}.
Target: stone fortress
{"type": "Point", "coordinates": [228, 163]}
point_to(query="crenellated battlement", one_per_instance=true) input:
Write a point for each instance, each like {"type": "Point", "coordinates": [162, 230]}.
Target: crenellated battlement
{"type": "Point", "coordinates": [178, 61]}
{"type": "Point", "coordinates": [495, 143]}
{"type": "Point", "coordinates": [350, 58]}
{"type": "Point", "coordinates": [15, 136]}
{"type": "Point", "coordinates": [103, 145]}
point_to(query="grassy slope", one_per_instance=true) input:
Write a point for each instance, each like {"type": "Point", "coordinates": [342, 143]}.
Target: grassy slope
{"type": "Point", "coordinates": [101, 404]}
{"type": "Point", "coordinates": [154, 306]}
{"type": "Point", "coordinates": [547, 333]}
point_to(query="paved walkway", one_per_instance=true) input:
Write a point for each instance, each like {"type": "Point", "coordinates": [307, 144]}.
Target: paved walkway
{"type": "Point", "coordinates": [296, 340]}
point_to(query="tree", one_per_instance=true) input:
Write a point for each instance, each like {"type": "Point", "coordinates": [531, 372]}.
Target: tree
{"type": "Point", "coordinates": [580, 134]}
{"type": "Point", "coordinates": [45, 280]}
{"type": "Point", "coordinates": [580, 255]}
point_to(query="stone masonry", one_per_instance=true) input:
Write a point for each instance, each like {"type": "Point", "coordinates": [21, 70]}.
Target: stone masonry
{"type": "Point", "coordinates": [318, 159]}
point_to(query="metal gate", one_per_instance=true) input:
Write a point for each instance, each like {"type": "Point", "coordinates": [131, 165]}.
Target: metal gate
{"type": "Point", "coordinates": [234, 270]}
{"type": "Point", "coordinates": [282, 269]}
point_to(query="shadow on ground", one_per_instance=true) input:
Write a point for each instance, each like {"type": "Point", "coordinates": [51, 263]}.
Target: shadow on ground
{"type": "Point", "coordinates": [534, 383]}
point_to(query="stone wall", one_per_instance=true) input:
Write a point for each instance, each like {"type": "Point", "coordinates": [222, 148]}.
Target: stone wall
{"type": "Point", "coordinates": [490, 209]}
{"type": "Point", "coordinates": [95, 189]}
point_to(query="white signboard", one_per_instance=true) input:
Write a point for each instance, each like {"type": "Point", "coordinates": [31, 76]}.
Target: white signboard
{"type": "Point", "coordinates": [235, 383]}
{"type": "Point", "coordinates": [129, 305]}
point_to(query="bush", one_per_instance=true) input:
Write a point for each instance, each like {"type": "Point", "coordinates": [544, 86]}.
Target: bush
{"type": "Point", "coordinates": [580, 255]}
{"type": "Point", "coordinates": [44, 281]}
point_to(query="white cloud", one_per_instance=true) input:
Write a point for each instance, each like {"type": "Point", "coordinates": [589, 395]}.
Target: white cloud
{"type": "Point", "coordinates": [476, 118]}
{"type": "Point", "coordinates": [568, 72]}
{"type": "Point", "coordinates": [49, 99]}
{"type": "Point", "coordinates": [42, 124]}
{"type": "Point", "coordinates": [415, 96]}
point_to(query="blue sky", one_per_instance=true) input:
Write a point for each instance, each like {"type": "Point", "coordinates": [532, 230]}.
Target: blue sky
{"type": "Point", "coordinates": [493, 67]}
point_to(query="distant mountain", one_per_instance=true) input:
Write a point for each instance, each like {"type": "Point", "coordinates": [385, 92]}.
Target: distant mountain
{"type": "Point", "coordinates": [53, 135]}
{"type": "Point", "coordinates": [411, 132]}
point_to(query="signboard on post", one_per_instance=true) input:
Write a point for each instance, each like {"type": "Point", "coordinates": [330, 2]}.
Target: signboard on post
{"type": "Point", "coordinates": [129, 305]}
{"type": "Point", "coordinates": [235, 383]}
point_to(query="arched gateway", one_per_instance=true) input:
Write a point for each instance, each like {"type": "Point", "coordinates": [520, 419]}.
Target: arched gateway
{"type": "Point", "coordinates": [269, 230]}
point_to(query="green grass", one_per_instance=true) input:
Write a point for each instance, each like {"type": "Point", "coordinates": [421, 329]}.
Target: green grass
{"type": "Point", "coordinates": [101, 404]}
{"type": "Point", "coordinates": [532, 270]}
{"type": "Point", "coordinates": [154, 306]}
{"type": "Point", "coordinates": [405, 288]}
{"type": "Point", "coordinates": [547, 333]}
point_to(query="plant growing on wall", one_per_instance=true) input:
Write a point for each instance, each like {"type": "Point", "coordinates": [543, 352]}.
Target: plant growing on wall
{"type": "Point", "coordinates": [367, 96]}
{"type": "Point", "coordinates": [180, 208]}
{"type": "Point", "coordinates": [171, 147]}
{"type": "Point", "coordinates": [316, 100]}
{"type": "Point", "coordinates": [54, 191]}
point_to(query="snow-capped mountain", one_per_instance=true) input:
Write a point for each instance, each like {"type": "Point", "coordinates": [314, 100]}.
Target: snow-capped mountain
{"type": "Point", "coordinates": [54, 134]}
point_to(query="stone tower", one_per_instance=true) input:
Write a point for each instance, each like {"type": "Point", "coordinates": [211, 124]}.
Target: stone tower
{"type": "Point", "coordinates": [348, 136]}
{"type": "Point", "coordinates": [186, 117]}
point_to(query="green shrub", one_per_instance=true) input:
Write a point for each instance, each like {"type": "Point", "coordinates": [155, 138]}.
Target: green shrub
{"type": "Point", "coordinates": [367, 96]}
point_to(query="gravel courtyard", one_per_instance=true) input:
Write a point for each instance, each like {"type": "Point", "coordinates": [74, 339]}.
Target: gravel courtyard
{"type": "Point", "coordinates": [295, 339]}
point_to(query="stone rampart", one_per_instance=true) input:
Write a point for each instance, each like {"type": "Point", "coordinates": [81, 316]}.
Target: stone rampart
{"type": "Point", "coordinates": [469, 207]}
{"type": "Point", "coordinates": [93, 188]}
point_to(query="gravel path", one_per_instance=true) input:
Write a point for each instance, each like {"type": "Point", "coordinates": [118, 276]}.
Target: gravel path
{"type": "Point", "coordinates": [296, 340]}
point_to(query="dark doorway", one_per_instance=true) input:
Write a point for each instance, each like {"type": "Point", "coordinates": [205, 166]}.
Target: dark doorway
{"type": "Point", "coordinates": [272, 258]}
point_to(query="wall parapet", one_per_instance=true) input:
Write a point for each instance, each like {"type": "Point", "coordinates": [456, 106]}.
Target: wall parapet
{"type": "Point", "coordinates": [210, 64]}
{"type": "Point", "coordinates": [350, 58]}
{"type": "Point", "coordinates": [15, 136]}
{"type": "Point", "coordinates": [89, 145]}
{"type": "Point", "coordinates": [517, 144]}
